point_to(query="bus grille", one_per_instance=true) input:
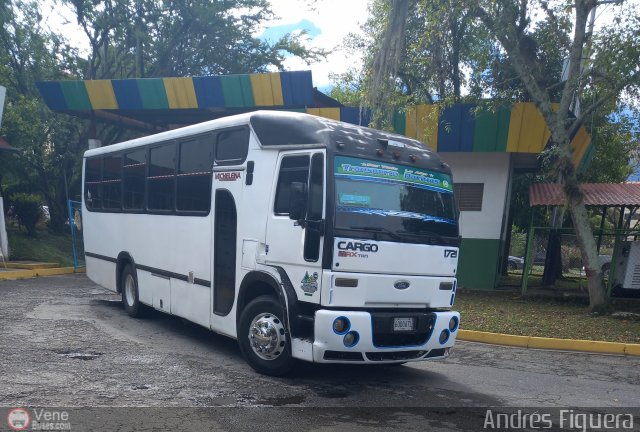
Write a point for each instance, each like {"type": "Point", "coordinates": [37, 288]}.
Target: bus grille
{"type": "Point", "coordinates": [343, 356]}
{"type": "Point", "coordinates": [385, 336]}
{"type": "Point", "coordinates": [395, 355]}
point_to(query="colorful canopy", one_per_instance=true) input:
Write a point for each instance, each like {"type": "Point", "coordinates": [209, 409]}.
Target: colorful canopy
{"type": "Point", "coordinates": [282, 89]}
{"type": "Point", "coordinates": [167, 102]}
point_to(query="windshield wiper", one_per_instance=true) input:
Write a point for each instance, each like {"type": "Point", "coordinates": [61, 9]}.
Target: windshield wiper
{"type": "Point", "coordinates": [442, 239]}
{"type": "Point", "coordinates": [400, 235]}
{"type": "Point", "coordinates": [377, 230]}
{"type": "Point", "coordinates": [424, 233]}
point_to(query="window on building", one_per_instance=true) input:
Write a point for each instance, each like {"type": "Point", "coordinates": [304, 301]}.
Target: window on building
{"type": "Point", "coordinates": [232, 146]}
{"type": "Point", "coordinates": [161, 179]}
{"type": "Point", "coordinates": [469, 196]}
{"type": "Point", "coordinates": [134, 166]}
{"type": "Point", "coordinates": [292, 169]}
{"type": "Point", "coordinates": [194, 175]}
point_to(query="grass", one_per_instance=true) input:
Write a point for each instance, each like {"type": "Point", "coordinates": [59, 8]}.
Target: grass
{"type": "Point", "coordinates": [535, 280]}
{"type": "Point", "coordinates": [507, 312]}
{"type": "Point", "coordinates": [45, 247]}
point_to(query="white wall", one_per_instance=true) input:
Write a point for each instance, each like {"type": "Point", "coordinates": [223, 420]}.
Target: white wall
{"type": "Point", "coordinates": [4, 242]}
{"type": "Point", "coordinates": [3, 92]}
{"type": "Point", "coordinates": [4, 248]}
{"type": "Point", "coordinates": [492, 169]}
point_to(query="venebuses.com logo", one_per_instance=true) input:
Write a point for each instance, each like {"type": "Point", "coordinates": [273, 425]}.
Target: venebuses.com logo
{"type": "Point", "coordinates": [18, 419]}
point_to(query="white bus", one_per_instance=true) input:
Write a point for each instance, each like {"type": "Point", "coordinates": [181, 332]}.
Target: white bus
{"type": "Point", "coordinates": [301, 237]}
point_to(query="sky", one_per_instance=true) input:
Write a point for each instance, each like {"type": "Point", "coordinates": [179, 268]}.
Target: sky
{"type": "Point", "coordinates": [327, 22]}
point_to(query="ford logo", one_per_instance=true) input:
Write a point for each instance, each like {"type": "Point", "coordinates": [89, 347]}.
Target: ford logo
{"type": "Point", "coordinates": [401, 285]}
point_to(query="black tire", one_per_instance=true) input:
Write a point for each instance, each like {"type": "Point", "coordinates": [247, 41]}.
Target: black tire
{"type": "Point", "coordinates": [130, 298]}
{"type": "Point", "coordinates": [512, 266]}
{"type": "Point", "coordinates": [605, 270]}
{"type": "Point", "coordinates": [282, 362]}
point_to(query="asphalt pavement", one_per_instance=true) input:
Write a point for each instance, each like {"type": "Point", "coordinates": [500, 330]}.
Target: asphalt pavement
{"type": "Point", "coordinates": [66, 342]}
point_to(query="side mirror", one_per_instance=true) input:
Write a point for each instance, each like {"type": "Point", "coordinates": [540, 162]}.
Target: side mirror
{"type": "Point", "coordinates": [298, 201]}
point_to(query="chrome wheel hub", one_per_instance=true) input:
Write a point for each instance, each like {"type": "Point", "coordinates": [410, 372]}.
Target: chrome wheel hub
{"type": "Point", "coordinates": [129, 290]}
{"type": "Point", "coordinates": [267, 336]}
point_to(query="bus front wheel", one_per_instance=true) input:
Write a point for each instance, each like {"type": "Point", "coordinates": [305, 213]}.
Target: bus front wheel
{"type": "Point", "coordinates": [263, 339]}
{"type": "Point", "coordinates": [130, 298]}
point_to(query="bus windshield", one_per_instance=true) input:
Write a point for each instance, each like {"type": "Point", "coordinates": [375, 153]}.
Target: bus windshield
{"type": "Point", "coordinates": [393, 201]}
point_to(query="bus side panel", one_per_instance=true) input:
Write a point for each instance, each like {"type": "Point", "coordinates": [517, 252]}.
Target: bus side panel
{"type": "Point", "coordinates": [102, 272]}
{"type": "Point", "coordinates": [145, 295]}
{"type": "Point", "coordinates": [190, 301]}
{"type": "Point", "coordinates": [162, 244]}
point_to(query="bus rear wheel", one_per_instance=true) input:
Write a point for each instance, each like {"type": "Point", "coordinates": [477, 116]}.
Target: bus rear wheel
{"type": "Point", "coordinates": [130, 298]}
{"type": "Point", "coordinates": [263, 339]}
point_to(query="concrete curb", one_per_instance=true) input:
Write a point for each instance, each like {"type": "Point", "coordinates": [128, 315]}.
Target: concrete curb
{"type": "Point", "coordinates": [27, 274]}
{"type": "Point", "coordinates": [31, 266]}
{"type": "Point", "coordinates": [599, 347]}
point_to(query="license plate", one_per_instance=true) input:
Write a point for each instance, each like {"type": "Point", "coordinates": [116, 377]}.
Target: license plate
{"type": "Point", "coordinates": [403, 324]}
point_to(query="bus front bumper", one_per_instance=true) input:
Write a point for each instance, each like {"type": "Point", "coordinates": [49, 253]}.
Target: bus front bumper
{"type": "Point", "coordinates": [381, 337]}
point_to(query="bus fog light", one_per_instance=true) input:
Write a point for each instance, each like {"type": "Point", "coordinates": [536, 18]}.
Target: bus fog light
{"type": "Point", "coordinates": [453, 324]}
{"type": "Point", "coordinates": [351, 339]}
{"type": "Point", "coordinates": [341, 325]}
{"type": "Point", "coordinates": [444, 336]}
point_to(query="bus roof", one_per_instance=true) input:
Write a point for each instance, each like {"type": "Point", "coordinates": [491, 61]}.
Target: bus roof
{"type": "Point", "coordinates": [278, 129]}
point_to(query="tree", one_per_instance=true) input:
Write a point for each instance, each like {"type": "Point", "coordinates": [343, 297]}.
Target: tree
{"type": "Point", "coordinates": [442, 40]}
{"type": "Point", "coordinates": [144, 38]}
{"type": "Point", "coordinates": [416, 51]}
{"type": "Point", "coordinates": [614, 68]}
{"type": "Point", "coordinates": [526, 39]}
{"type": "Point", "coordinates": [617, 140]}
{"type": "Point", "coordinates": [347, 88]}
{"type": "Point", "coordinates": [48, 142]}
{"type": "Point", "coordinates": [386, 62]}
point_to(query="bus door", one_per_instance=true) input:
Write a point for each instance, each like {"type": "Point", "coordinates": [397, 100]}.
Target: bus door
{"type": "Point", "coordinates": [293, 248]}
{"type": "Point", "coordinates": [227, 193]}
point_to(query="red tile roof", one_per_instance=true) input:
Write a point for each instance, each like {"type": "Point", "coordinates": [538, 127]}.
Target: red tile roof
{"type": "Point", "coordinates": [595, 194]}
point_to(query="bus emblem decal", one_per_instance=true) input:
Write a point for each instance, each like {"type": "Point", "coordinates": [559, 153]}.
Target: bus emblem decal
{"type": "Point", "coordinates": [402, 284]}
{"type": "Point", "coordinates": [309, 283]}
{"type": "Point", "coordinates": [357, 246]}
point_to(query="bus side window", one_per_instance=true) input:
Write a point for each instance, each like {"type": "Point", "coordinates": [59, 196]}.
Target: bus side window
{"type": "Point", "coordinates": [134, 167]}
{"type": "Point", "coordinates": [161, 179]}
{"type": "Point", "coordinates": [314, 207]}
{"type": "Point", "coordinates": [232, 146]}
{"type": "Point", "coordinates": [92, 183]}
{"type": "Point", "coordinates": [292, 169]}
{"type": "Point", "coordinates": [194, 175]}
{"type": "Point", "coordinates": [112, 182]}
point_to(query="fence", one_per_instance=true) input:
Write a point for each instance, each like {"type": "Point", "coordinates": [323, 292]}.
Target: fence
{"type": "Point", "coordinates": [569, 274]}
{"type": "Point", "coordinates": [75, 225]}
